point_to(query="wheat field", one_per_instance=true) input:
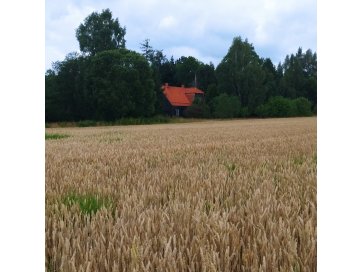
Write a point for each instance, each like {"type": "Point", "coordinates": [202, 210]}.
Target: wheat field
{"type": "Point", "coordinates": [234, 195]}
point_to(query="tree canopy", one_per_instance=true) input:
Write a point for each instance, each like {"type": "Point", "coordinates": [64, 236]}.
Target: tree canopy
{"type": "Point", "coordinates": [111, 85]}
{"type": "Point", "coordinates": [241, 74]}
{"type": "Point", "coordinates": [100, 32]}
{"type": "Point", "coordinates": [121, 82]}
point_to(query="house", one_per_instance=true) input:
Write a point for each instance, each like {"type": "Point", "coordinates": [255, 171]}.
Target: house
{"type": "Point", "coordinates": [179, 98]}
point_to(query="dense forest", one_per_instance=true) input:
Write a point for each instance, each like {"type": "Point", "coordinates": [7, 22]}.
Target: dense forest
{"type": "Point", "coordinates": [106, 81]}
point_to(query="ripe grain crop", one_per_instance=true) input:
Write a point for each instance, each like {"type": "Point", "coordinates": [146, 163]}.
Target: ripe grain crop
{"type": "Point", "coordinates": [213, 196]}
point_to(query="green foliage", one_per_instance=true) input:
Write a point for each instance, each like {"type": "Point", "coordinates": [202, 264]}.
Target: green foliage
{"type": "Point", "coordinates": [168, 72]}
{"type": "Point", "coordinates": [160, 71]}
{"type": "Point", "coordinates": [298, 160]}
{"type": "Point", "coordinates": [55, 136]}
{"type": "Point", "coordinates": [198, 109]}
{"type": "Point", "coordinates": [205, 76]}
{"type": "Point", "coordinates": [88, 203]}
{"type": "Point", "coordinates": [158, 119]}
{"type": "Point", "coordinates": [186, 68]}
{"type": "Point", "coordinates": [300, 76]}
{"type": "Point", "coordinates": [211, 92]}
{"type": "Point", "coordinates": [147, 50]}
{"type": "Point", "coordinates": [271, 78]}
{"type": "Point", "coordinates": [276, 107]}
{"type": "Point", "coordinates": [283, 107]}
{"type": "Point", "coordinates": [241, 74]}
{"type": "Point", "coordinates": [207, 207]}
{"type": "Point", "coordinates": [303, 106]}
{"type": "Point", "coordinates": [230, 167]}
{"type": "Point", "coordinates": [108, 86]}
{"type": "Point", "coordinates": [66, 97]}
{"type": "Point", "coordinates": [122, 84]}
{"type": "Point", "coordinates": [51, 107]}
{"type": "Point", "coordinates": [262, 111]}
{"type": "Point", "coordinates": [100, 32]}
{"type": "Point", "coordinates": [225, 106]}
{"type": "Point", "coordinates": [87, 123]}
{"type": "Point", "coordinates": [244, 112]}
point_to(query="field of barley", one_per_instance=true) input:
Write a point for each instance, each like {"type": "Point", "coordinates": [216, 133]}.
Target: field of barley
{"type": "Point", "coordinates": [235, 195]}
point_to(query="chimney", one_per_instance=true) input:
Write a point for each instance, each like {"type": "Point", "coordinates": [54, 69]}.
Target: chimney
{"type": "Point", "coordinates": [166, 84]}
{"type": "Point", "coordinates": [182, 86]}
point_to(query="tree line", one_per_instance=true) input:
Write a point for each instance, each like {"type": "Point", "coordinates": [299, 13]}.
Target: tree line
{"type": "Point", "coordinates": [106, 81]}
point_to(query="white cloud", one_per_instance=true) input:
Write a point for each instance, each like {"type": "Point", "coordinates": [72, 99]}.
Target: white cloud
{"type": "Point", "coordinates": [183, 51]}
{"type": "Point", "coordinates": [62, 19]}
{"type": "Point", "coordinates": [186, 51]}
{"type": "Point", "coordinates": [168, 22]}
{"type": "Point", "coordinates": [203, 28]}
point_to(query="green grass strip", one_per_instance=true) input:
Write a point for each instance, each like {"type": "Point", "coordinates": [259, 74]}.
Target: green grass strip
{"type": "Point", "coordinates": [55, 136]}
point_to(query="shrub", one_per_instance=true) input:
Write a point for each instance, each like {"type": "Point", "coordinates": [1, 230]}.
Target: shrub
{"type": "Point", "coordinates": [244, 112]}
{"type": "Point", "coordinates": [280, 107]}
{"type": "Point", "coordinates": [198, 109]}
{"type": "Point", "coordinates": [262, 111]}
{"type": "Point", "coordinates": [303, 106]}
{"type": "Point", "coordinates": [225, 106]}
{"type": "Point", "coordinates": [283, 107]}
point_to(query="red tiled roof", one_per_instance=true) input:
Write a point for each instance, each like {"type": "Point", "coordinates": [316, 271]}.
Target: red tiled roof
{"type": "Point", "coordinates": [180, 96]}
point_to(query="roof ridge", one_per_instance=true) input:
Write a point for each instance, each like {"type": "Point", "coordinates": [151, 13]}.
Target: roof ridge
{"type": "Point", "coordinates": [180, 96]}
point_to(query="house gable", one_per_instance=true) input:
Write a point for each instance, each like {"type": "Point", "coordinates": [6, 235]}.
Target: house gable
{"type": "Point", "coordinates": [180, 96]}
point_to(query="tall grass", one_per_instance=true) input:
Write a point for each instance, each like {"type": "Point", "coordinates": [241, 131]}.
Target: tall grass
{"type": "Point", "coordinates": [87, 203]}
{"type": "Point", "coordinates": [213, 196]}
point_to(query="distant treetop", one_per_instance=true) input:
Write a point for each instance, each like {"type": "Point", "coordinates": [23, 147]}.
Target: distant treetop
{"type": "Point", "coordinates": [100, 32]}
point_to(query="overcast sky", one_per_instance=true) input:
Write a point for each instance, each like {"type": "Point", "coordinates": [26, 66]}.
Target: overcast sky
{"type": "Point", "coordinates": [200, 28]}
